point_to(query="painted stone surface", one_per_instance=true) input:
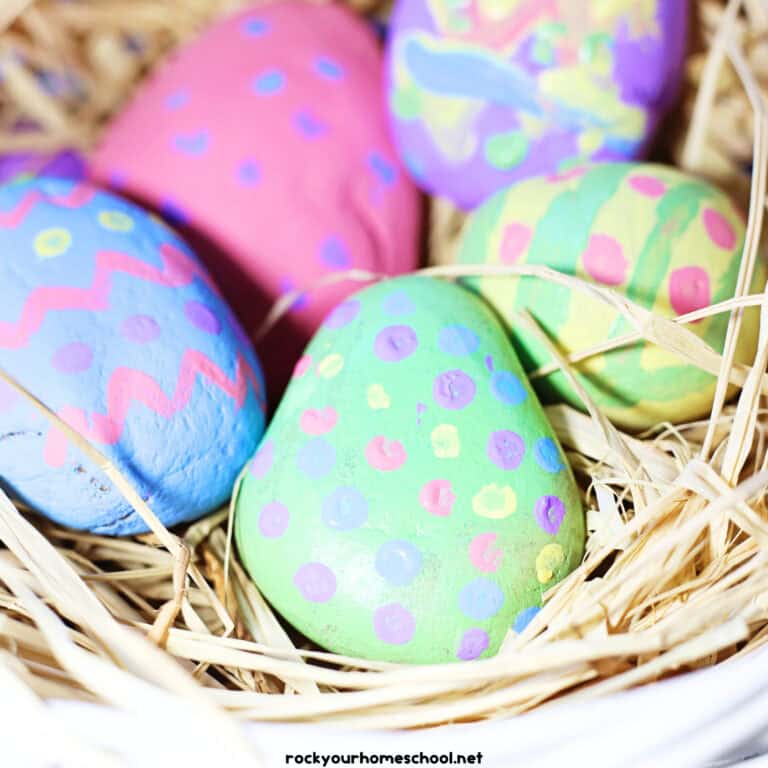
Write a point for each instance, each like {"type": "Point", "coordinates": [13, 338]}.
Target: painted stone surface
{"type": "Point", "coordinates": [409, 501]}
{"type": "Point", "coordinates": [266, 140]}
{"type": "Point", "coordinates": [667, 241]}
{"type": "Point", "coordinates": [109, 319]}
{"type": "Point", "coordinates": [485, 93]}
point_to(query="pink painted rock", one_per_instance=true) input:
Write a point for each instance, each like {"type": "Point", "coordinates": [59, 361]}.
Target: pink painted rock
{"type": "Point", "coordinates": [266, 141]}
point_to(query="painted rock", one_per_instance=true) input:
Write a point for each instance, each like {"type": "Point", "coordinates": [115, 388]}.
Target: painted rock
{"type": "Point", "coordinates": [67, 164]}
{"type": "Point", "coordinates": [114, 324]}
{"type": "Point", "coordinates": [409, 501]}
{"type": "Point", "coordinates": [665, 240]}
{"type": "Point", "coordinates": [267, 140]}
{"type": "Point", "coordinates": [483, 94]}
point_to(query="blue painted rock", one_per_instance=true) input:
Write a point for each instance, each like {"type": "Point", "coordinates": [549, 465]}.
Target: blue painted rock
{"type": "Point", "coordinates": [410, 501]}
{"type": "Point", "coordinates": [113, 323]}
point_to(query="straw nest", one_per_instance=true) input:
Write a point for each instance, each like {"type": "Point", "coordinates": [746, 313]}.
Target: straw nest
{"type": "Point", "coordinates": [675, 576]}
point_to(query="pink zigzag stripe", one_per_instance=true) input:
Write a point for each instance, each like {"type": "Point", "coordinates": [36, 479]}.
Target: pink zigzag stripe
{"type": "Point", "coordinates": [77, 197]}
{"type": "Point", "coordinates": [128, 385]}
{"type": "Point", "coordinates": [178, 270]}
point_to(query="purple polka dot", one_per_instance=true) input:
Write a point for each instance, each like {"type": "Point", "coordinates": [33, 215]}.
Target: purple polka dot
{"type": "Point", "coordinates": [398, 303]}
{"type": "Point", "coordinates": [262, 461]}
{"type": "Point", "coordinates": [382, 168]}
{"type": "Point", "coordinates": [273, 520]}
{"type": "Point", "coordinates": [8, 397]}
{"type": "Point", "coordinates": [140, 329]}
{"type": "Point", "coordinates": [288, 286]}
{"type": "Point", "coordinates": [506, 449]}
{"type": "Point", "coordinates": [454, 390]}
{"type": "Point", "coordinates": [177, 100]}
{"type": "Point", "coordinates": [255, 27]}
{"type": "Point", "coordinates": [394, 624]}
{"type": "Point", "coordinates": [343, 314]}
{"type": "Point", "coordinates": [395, 343]}
{"type": "Point", "coordinates": [202, 317]}
{"type": "Point", "coordinates": [344, 509]}
{"type": "Point", "coordinates": [481, 599]}
{"type": "Point", "coordinates": [458, 340]}
{"type": "Point", "coordinates": [308, 125]}
{"type": "Point", "coordinates": [249, 173]}
{"type": "Point", "coordinates": [549, 512]}
{"type": "Point", "coordinates": [316, 582]}
{"type": "Point", "coordinates": [329, 68]}
{"type": "Point", "coordinates": [316, 458]}
{"type": "Point", "coordinates": [473, 642]}
{"type": "Point", "coordinates": [173, 213]}
{"type": "Point", "coordinates": [73, 358]}
{"type": "Point", "coordinates": [399, 562]}
{"type": "Point", "coordinates": [334, 253]}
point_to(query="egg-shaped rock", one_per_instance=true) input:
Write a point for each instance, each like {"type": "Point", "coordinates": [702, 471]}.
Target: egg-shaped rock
{"type": "Point", "coordinates": [482, 94]}
{"type": "Point", "coordinates": [266, 140]}
{"type": "Point", "coordinates": [409, 501]}
{"type": "Point", "coordinates": [669, 242]}
{"type": "Point", "coordinates": [109, 319]}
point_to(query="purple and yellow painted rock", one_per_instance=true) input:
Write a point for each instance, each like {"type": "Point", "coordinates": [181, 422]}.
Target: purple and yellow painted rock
{"type": "Point", "coordinates": [409, 501]}
{"type": "Point", "coordinates": [488, 92]}
{"type": "Point", "coordinates": [114, 324]}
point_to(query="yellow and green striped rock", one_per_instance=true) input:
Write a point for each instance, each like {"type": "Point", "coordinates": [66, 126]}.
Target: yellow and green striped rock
{"type": "Point", "coordinates": [665, 240]}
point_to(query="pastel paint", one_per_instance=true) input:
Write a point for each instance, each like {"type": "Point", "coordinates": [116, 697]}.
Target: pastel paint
{"type": "Point", "coordinates": [266, 141]}
{"type": "Point", "coordinates": [412, 532]}
{"type": "Point", "coordinates": [667, 241]}
{"type": "Point", "coordinates": [126, 338]}
{"type": "Point", "coordinates": [482, 95]}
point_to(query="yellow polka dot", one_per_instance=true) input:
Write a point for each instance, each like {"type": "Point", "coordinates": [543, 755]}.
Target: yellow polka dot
{"type": "Point", "coordinates": [50, 243]}
{"type": "Point", "coordinates": [548, 561]}
{"type": "Point", "coordinates": [590, 141]}
{"type": "Point", "coordinates": [445, 441]}
{"type": "Point", "coordinates": [117, 221]}
{"type": "Point", "coordinates": [378, 399]}
{"type": "Point", "coordinates": [494, 501]}
{"type": "Point", "coordinates": [330, 366]}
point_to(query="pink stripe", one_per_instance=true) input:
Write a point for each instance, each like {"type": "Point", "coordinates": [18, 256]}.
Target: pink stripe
{"type": "Point", "coordinates": [77, 197]}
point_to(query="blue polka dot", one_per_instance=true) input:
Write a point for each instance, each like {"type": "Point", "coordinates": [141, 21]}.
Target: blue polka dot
{"type": "Point", "coordinates": [173, 213]}
{"type": "Point", "coordinates": [524, 618]}
{"type": "Point", "coordinates": [548, 456]}
{"type": "Point", "coordinates": [255, 27]}
{"type": "Point", "coordinates": [507, 388]}
{"type": "Point", "coordinates": [288, 286]}
{"type": "Point", "coordinates": [308, 125]}
{"type": "Point", "coordinates": [248, 173]}
{"type": "Point", "coordinates": [334, 253]}
{"type": "Point", "coordinates": [481, 599]}
{"type": "Point", "coordinates": [316, 458]}
{"type": "Point", "coordinates": [272, 81]}
{"type": "Point", "coordinates": [328, 68]}
{"type": "Point", "coordinates": [398, 303]}
{"type": "Point", "coordinates": [177, 100]}
{"type": "Point", "coordinates": [399, 562]}
{"type": "Point", "coordinates": [385, 171]}
{"type": "Point", "coordinates": [415, 165]}
{"type": "Point", "coordinates": [458, 340]}
{"type": "Point", "coordinates": [196, 143]}
{"type": "Point", "coordinates": [344, 509]}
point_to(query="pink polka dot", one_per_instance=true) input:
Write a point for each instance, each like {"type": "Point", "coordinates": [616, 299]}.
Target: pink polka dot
{"type": "Point", "coordinates": [316, 582]}
{"type": "Point", "coordinates": [273, 520]}
{"type": "Point", "coordinates": [385, 455]}
{"type": "Point", "coordinates": [483, 554]}
{"type": "Point", "coordinates": [73, 358]}
{"type": "Point", "coordinates": [573, 173]}
{"type": "Point", "coordinates": [302, 366]}
{"type": "Point", "coordinates": [140, 329]}
{"type": "Point", "coordinates": [514, 241]}
{"type": "Point", "coordinates": [437, 497]}
{"type": "Point", "coordinates": [719, 229]}
{"type": "Point", "coordinates": [689, 289]}
{"type": "Point", "coordinates": [604, 260]}
{"type": "Point", "coordinates": [262, 461]}
{"type": "Point", "coordinates": [318, 422]}
{"type": "Point", "coordinates": [647, 185]}
{"type": "Point", "coordinates": [394, 624]}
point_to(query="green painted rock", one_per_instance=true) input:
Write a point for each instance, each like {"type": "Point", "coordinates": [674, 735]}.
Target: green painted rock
{"type": "Point", "coordinates": [668, 241]}
{"type": "Point", "coordinates": [409, 501]}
